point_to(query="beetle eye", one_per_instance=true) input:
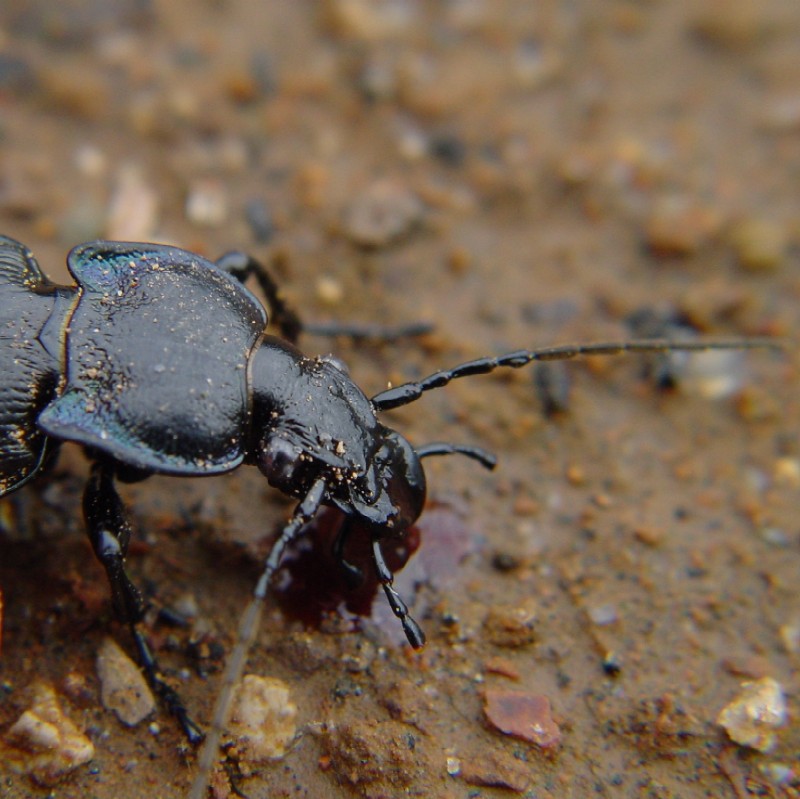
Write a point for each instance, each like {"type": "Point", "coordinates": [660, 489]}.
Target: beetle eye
{"type": "Point", "coordinates": [278, 460]}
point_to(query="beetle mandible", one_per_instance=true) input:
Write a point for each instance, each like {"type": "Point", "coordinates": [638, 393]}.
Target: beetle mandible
{"type": "Point", "coordinates": [157, 361]}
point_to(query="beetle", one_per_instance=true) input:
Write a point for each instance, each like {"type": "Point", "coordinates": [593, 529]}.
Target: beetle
{"type": "Point", "coordinates": [157, 361]}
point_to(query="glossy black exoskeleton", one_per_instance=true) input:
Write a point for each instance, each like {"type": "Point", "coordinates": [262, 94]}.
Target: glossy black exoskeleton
{"type": "Point", "coordinates": [157, 362]}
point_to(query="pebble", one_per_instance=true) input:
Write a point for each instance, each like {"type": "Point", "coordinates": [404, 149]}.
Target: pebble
{"type": "Point", "coordinates": [754, 715]}
{"type": "Point", "coordinates": [123, 688]}
{"type": "Point", "coordinates": [329, 290]}
{"type": "Point", "coordinates": [381, 214]}
{"type": "Point", "coordinates": [259, 218]}
{"type": "Point", "coordinates": [496, 769]}
{"type": "Point", "coordinates": [377, 758]}
{"type": "Point", "coordinates": [133, 210]}
{"type": "Point", "coordinates": [524, 715]}
{"type": "Point", "coordinates": [207, 203]}
{"type": "Point", "coordinates": [263, 718]}
{"type": "Point", "coordinates": [790, 636]}
{"type": "Point", "coordinates": [43, 743]}
{"type": "Point", "coordinates": [603, 615]}
{"type": "Point", "coordinates": [371, 20]}
{"type": "Point", "coordinates": [734, 25]}
{"type": "Point", "coordinates": [713, 374]}
{"type": "Point", "coordinates": [510, 626]}
{"type": "Point", "coordinates": [679, 226]}
{"type": "Point", "coordinates": [761, 245]}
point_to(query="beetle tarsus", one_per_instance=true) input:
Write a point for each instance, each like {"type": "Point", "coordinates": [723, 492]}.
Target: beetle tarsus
{"type": "Point", "coordinates": [412, 630]}
{"type": "Point", "coordinates": [168, 695]}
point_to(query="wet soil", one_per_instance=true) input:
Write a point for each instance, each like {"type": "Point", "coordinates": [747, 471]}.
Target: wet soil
{"type": "Point", "coordinates": [519, 174]}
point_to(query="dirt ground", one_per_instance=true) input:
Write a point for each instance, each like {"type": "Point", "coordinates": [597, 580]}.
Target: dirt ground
{"type": "Point", "coordinates": [520, 174]}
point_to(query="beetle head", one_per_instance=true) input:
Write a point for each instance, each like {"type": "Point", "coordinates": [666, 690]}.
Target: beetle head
{"type": "Point", "coordinates": [387, 494]}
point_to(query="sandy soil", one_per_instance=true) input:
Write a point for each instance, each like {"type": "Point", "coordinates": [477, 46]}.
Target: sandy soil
{"type": "Point", "coordinates": [520, 174]}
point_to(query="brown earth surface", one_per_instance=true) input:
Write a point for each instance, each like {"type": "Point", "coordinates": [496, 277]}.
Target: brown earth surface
{"type": "Point", "coordinates": [520, 174]}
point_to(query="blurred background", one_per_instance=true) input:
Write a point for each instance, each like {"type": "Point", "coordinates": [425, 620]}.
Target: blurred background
{"type": "Point", "coordinates": [518, 174]}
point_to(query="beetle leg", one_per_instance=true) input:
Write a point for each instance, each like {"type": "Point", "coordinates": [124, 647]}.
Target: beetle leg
{"type": "Point", "coordinates": [352, 574]}
{"type": "Point", "coordinates": [109, 532]}
{"type": "Point", "coordinates": [366, 331]}
{"type": "Point", "coordinates": [241, 265]}
{"type": "Point", "coordinates": [412, 630]}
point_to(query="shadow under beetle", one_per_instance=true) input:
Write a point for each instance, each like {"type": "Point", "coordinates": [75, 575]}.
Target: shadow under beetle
{"type": "Point", "coordinates": [157, 362]}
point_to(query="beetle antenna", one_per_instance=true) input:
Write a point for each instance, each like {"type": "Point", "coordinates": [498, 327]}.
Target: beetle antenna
{"type": "Point", "coordinates": [406, 393]}
{"type": "Point", "coordinates": [248, 627]}
{"type": "Point", "coordinates": [486, 459]}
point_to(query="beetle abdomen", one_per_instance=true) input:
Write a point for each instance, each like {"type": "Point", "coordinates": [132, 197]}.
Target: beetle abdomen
{"type": "Point", "coordinates": [29, 372]}
{"type": "Point", "coordinates": [157, 354]}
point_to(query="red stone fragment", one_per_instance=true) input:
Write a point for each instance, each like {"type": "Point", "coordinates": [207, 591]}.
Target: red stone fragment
{"type": "Point", "coordinates": [523, 715]}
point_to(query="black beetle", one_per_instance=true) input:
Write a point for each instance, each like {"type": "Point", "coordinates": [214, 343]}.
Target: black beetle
{"type": "Point", "coordinates": [157, 362]}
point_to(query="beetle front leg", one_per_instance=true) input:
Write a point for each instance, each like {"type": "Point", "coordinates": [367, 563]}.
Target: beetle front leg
{"type": "Point", "coordinates": [109, 532]}
{"type": "Point", "coordinates": [412, 630]}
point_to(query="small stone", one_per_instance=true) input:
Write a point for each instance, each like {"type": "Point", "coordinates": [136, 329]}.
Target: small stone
{"type": "Point", "coordinates": [523, 715]}
{"type": "Point", "coordinates": [207, 203]}
{"type": "Point", "coordinates": [123, 688]}
{"type": "Point", "coordinates": [678, 226]}
{"type": "Point", "coordinates": [329, 290]}
{"type": "Point", "coordinates": [381, 214]}
{"type": "Point", "coordinates": [510, 626]}
{"type": "Point", "coordinates": [263, 718]}
{"type": "Point", "coordinates": [259, 217]}
{"type": "Point", "coordinates": [43, 743]}
{"type": "Point", "coordinates": [133, 210]}
{"type": "Point", "coordinates": [379, 759]}
{"type": "Point", "coordinates": [186, 605]}
{"type": "Point", "coordinates": [753, 716]}
{"type": "Point", "coordinates": [496, 769]}
{"type": "Point", "coordinates": [370, 20]}
{"type": "Point", "coordinates": [790, 636]}
{"type": "Point", "coordinates": [787, 471]}
{"type": "Point", "coordinates": [733, 25]}
{"type": "Point", "coordinates": [503, 667]}
{"type": "Point", "coordinates": [761, 245]}
{"type": "Point", "coordinates": [91, 161]}
{"type": "Point", "coordinates": [713, 374]}
{"type": "Point", "coordinates": [603, 615]}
